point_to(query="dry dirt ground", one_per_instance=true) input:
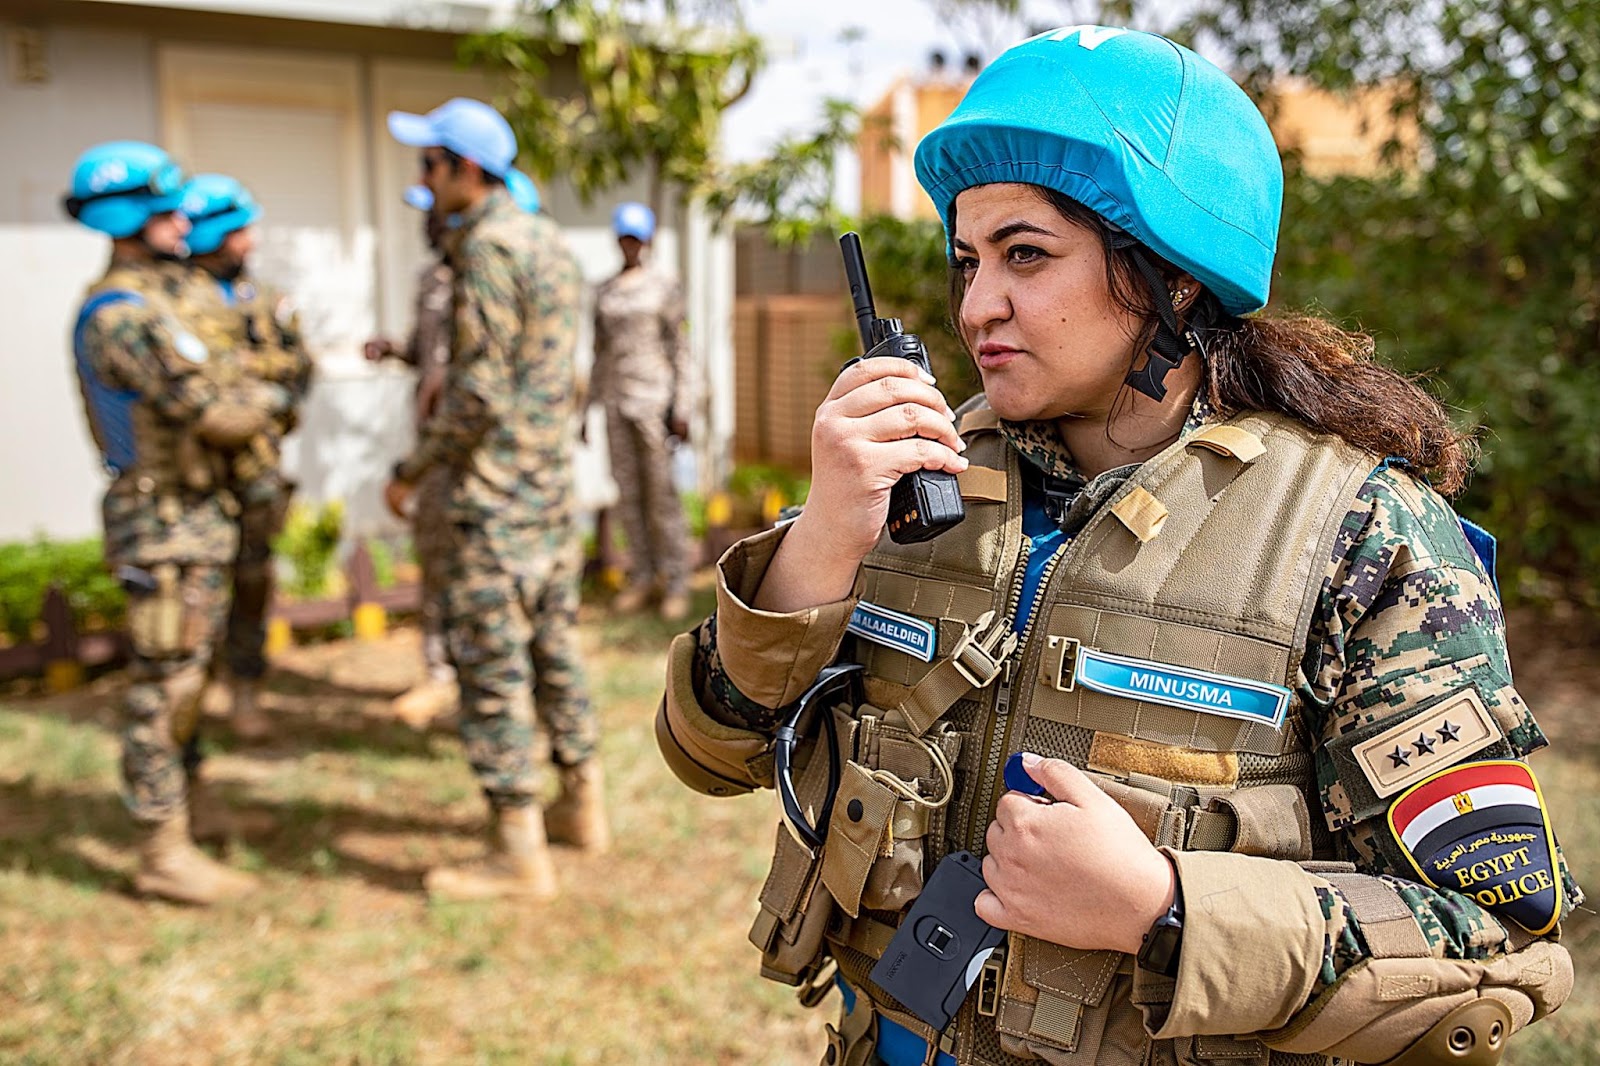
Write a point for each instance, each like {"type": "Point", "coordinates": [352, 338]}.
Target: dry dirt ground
{"type": "Point", "coordinates": [340, 959]}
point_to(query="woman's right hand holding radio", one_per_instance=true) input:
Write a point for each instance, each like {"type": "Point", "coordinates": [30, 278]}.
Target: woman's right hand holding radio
{"type": "Point", "coordinates": [883, 419]}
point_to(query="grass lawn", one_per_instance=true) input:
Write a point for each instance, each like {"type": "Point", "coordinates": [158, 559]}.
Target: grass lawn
{"type": "Point", "coordinates": [340, 959]}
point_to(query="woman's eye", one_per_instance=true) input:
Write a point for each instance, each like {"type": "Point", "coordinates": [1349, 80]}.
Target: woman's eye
{"type": "Point", "coordinates": [966, 264]}
{"type": "Point", "coordinates": [1023, 253]}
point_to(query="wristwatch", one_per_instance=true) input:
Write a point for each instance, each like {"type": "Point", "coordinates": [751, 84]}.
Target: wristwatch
{"type": "Point", "coordinates": [1161, 946]}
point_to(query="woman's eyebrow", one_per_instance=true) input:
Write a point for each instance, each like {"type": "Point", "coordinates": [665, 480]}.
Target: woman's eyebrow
{"type": "Point", "coordinates": [1010, 229]}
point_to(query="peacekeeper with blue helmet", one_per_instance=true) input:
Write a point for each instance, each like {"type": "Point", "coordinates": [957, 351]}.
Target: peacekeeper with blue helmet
{"type": "Point", "coordinates": [643, 378]}
{"type": "Point", "coordinates": [427, 350]}
{"type": "Point", "coordinates": [263, 355]}
{"type": "Point", "coordinates": [166, 430]}
{"type": "Point", "coordinates": [1208, 593]}
{"type": "Point", "coordinates": [504, 431]}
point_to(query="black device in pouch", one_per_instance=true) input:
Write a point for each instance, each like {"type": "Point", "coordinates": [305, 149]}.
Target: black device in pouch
{"type": "Point", "coordinates": [939, 950]}
{"type": "Point", "coordinates": [923, 503]}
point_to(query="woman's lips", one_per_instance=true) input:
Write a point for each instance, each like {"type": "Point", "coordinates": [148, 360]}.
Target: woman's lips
{"type": "Point", "coordinates": [991, 356]}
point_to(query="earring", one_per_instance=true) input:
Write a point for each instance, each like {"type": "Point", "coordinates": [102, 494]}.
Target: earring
{"type": "Point", "coordinates": [1178, 297]}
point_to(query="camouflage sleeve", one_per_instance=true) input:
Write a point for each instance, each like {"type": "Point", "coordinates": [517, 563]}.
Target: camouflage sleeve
{"type": "Point", "coordinates": [429, 342]}
{"type": "Point", "coordinates": [1406, 686]}
{"type": "Point", "coordinates": [675, 342]}
{"type": "Point", "coordinates": [129, 347]}
{"type": "Point", "coordinates": [1408, 621]}
{"type": "Point", "coordinates": [717, 695]}
{"type": "Point", "coordinates": [600, 366]}
{"type": "Point", "coordinates": [480, 381]}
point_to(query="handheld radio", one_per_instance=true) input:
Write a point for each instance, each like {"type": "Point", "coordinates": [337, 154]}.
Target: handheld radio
{"type": "Point", "coordinates": [923, 503]}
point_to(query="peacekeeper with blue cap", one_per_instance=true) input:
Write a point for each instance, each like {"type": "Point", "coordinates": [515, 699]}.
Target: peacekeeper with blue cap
{"type": "Point", "coordinates": [1208, 594]}
{"type": "Point", "coordinates": [167, 431]}
{"type": "Point", "coordinates": [258, 332]}
{"type": "Point", "coordinates": [504, 431]}
{"type": "Point", "coordinates": [427, 350]}
{"type": "Point", "coordinates": [643, 377]}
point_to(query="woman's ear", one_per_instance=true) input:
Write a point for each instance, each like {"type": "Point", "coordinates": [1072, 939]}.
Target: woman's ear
{"type": "Point", "coordinates": [1184, 291]}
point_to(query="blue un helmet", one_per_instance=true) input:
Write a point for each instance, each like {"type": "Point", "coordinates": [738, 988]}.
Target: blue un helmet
{"type": "Point", "coordinates": [1151, 137]}
{"type": "Point", "coordinates": [217, 205]}
{"type": "Point", "coordinates": [634, 220]}
{"type": "Point", "coordinates": [119, 185]}
{"type": "Point", "coordinates": [469, 128]}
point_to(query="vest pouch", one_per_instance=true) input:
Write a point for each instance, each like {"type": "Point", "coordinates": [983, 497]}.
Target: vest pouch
{"type": "Point", "coordinates": [1055, 1001]}
{"type": "Point", "coordinates": [795, 906]}
{"type": "Point", "coordinates": [859, 836]}
{"type": "Point", "coordinates": [157, 622]}
{"type": "Point", "coordinates": [911, 779]}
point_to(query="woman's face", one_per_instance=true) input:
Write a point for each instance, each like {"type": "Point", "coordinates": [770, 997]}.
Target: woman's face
{"type": "Point", "coordinates": [1037, 313]}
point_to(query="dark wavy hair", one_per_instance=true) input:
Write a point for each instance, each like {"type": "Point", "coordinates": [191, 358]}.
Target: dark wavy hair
{"type": "Point", "coordinates": [1297, 364]}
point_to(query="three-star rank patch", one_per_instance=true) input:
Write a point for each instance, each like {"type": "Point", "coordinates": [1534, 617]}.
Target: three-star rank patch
{"type": "Point", "coordinates": [1481, 829]}
{"type": "Point", "coordinates": [1442, 735]}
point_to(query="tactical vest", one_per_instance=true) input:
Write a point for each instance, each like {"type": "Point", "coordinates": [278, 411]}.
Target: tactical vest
{"type": "Point", "coordinates": [249, 351]}
{"type": "Point", "coordinates": [160, 457]}
{"type": "Point", "coordinates": [1207, 559]}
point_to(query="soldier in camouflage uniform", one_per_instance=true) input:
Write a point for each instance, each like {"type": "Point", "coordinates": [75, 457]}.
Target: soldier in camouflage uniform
{"type": "Point", "coordinates": [641, 376]}
{"type": "Point", "coordinates": [257, 329]}
{"type": "Point", "coordinates": [167, 431]}
{"type": "Point", "coordinates": [428, 351]}
{"type": "Point", "coordinates": [504, 428]}
{"type": "Point", "coordinates": [1269, 801]}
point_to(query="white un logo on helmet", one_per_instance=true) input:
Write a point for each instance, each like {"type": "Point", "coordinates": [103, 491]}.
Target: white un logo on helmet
{"type": "Point", "coordinates": [1089, 37]}
{"type": "Point", "coordinates": [111, 172]}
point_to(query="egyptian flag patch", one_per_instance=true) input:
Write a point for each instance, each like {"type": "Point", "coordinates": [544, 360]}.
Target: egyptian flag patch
{"type": "Point", "coordinates": [1481, 829]}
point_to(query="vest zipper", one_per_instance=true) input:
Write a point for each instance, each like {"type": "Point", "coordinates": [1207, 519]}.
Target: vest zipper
{"type": "Point", "coordinates": [1000, 724]}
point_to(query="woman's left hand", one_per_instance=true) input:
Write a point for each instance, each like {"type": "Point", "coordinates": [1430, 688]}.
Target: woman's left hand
{"type": "Point", "coordinates": [1076, 872]}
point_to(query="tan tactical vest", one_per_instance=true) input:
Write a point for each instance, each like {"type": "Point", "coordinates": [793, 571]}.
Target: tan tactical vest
{"type": "Point", "coordinates": [1209, 557]}
{"type": "Point", "coordinates": [171, 459]}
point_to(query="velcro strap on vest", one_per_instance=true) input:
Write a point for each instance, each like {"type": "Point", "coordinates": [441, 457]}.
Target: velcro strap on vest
{"type": "Point", "coordinates": [1232, 441]}
{"type": "Point", "coordinates": [982, 483]}
{"type": "Point", "coordinates": [863, 933]}
{"type": "Point", "coordinates": [981, 418]}
{"type": "Point", "coordinates": [1387, 924]}
{"type": "Point", "coordinates": [1272, 821]}
{"type": "Point", "coordinates": [1142, 513]}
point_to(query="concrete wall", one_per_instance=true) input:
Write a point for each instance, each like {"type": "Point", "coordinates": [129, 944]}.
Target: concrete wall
{"type": "Point", "coordinates": [127, 77]}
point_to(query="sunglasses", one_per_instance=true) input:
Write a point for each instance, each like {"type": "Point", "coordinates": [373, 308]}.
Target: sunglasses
{"type": "Point", "coordinates": [432, 159]}
{"type": "Point", "coordinates": [833, 679]}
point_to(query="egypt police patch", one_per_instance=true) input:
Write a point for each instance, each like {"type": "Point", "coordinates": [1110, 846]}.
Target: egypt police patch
{"type": "Point", "coordinates": [1481, 828]}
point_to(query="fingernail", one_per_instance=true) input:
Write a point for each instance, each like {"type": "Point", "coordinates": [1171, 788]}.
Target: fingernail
{"type": "Point", "coordinates": [963, 461]}
{"type": "Point", "coordinates": [929, 378]}
{"type": "Point", "coordinates": [1030, 760]}
{"type": "Point", "coordinates": [963, 447]}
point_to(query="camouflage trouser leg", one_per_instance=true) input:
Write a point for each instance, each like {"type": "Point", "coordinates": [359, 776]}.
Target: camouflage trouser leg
{"type": "Point", "coordinates": [561, 696]}
{"type": "Point", "coordinates": [431, 534]}
{"type": "Point", "coordinates": [172, 649]}
{"type": "Point", "coordinates": [652, 514]}
{"type": "Point", "coordinates": [260, 520]}
{"type": "Point", "coordinates": [510, 637]}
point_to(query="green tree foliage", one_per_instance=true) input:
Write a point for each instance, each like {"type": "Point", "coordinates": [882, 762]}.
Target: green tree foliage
{"type": "Point", "coordinates": [790, 190]}
{"type": "Point", "coordinates": [1474, 257]}
{"type": "Point", "coordinates": [654, 77]}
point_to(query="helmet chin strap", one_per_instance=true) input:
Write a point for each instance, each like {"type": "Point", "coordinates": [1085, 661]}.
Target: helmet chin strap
{"type": "Point", "coordinates": [1170, 346]}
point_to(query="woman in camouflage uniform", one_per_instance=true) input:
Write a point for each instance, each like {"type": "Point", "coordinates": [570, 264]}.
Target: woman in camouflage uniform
{"type": "Point", "coordinates": [1207, 591]}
